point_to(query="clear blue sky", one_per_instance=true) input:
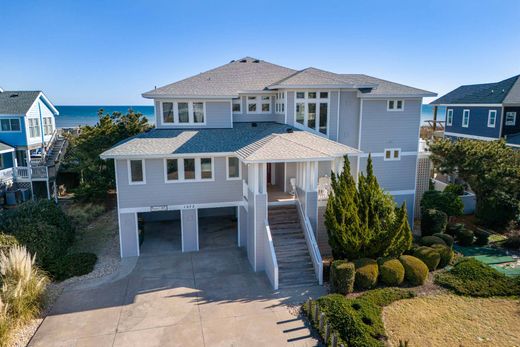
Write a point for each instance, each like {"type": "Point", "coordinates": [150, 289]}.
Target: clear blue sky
{"type": "Point", "coordinates": [109, 52]}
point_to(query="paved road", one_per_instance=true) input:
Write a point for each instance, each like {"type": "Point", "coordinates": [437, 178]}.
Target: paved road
{"type": "Point", "coordinates": [208, 298]}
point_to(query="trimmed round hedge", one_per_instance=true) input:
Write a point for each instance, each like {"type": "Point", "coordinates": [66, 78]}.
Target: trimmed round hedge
{"type": "Point", "coordinates": [481, 237]}
{"type": "Point", "coordinates": [343, 275]}
{"type": "Point", "coordinates": [415, 271]}
{"type": "Point", "coordinates": [429, 256]}
{"type": "Point", "coordinates": [366, 273]}
{"type": "Point", "coordinates": [453, 229]}
{"type": "Point", "coordinates": [446, 254]}
{"type": "Point", "coordinates": [448, 239]}
{"type": "Point", "coordinates": [431, 240]}
{"type": "Point", "coordinates": [465, 237]}
{"type": "Point", "coordinates": [391, 272]}
{"type": "Point", "coordinates": [433, 221]}
{"type": "Point", "coordinates": [76, 264]}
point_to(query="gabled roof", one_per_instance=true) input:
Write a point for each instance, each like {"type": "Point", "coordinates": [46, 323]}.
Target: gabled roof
{"type": "Point", "coordinates": [263, 142]}
{"type": "Point", "coordinates": [253, 75]}
{"type": "Point", "coordinates": [506, 91]}
{"type": "Point", "coordinates": [18, 102]}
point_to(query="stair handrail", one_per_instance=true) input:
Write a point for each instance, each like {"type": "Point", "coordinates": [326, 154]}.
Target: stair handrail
{"type": "Point", "coordinates": [314, 250]}
{"type": "Point", "coordinates": [49, 144]}
{"type": "Point", "coordinates": [271, 262]}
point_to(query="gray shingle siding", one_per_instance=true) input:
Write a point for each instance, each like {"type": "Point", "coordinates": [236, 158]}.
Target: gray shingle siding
{"type": "Point", "coordinates": [157, 192]}
{"type": "Point", "coordinates": [382, 129]}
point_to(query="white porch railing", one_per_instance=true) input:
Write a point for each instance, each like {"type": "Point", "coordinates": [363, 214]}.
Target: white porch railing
{"type": "Point", "coordinates": [6, 174]}
{"type": "Point", "coordinates": [324, 188]}
{"type": "Point", "coordinates": [38, 172]}
{"type": "Point", "coordinates": [312, 245]}
{"type": "Point", "coordinates": [271, 264]}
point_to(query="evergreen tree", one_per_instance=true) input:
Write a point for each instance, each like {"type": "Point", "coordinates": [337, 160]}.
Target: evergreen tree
{"type": "Point", "coordinates": [364, 221]}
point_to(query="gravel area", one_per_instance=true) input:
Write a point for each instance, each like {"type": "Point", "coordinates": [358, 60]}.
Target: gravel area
{"type": "Point", "coordinates": [108, 263]}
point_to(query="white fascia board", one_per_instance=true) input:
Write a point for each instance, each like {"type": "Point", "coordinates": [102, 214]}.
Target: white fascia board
{"type": "Point", "coordinates": [49, 104]}
{"type": "Point", "coordinates": [7, 150]}
{"type": "Point", "coordinates": [394, 96]}
{"type": "Point", "coordinates": [171, 96]}
{"type": "Point", "coordinates": [270, 92]}
{"type": "Point", "coordinates": [322, 86]}
{"type": "Point", "coordinates": [165, 155]}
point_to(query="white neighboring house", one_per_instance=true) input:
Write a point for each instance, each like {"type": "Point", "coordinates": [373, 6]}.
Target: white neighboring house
{"type": "Point", "coordinates": [258, 141]}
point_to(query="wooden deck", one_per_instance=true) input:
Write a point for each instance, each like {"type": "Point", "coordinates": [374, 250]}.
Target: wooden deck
{"type": "Point", "coordinates": [276, 196]}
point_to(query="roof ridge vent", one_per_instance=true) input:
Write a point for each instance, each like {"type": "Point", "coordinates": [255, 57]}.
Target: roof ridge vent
{"type": "Point", "coordinates": [243, 60]}
{"type": "Point", "coordinates": [256, 61]}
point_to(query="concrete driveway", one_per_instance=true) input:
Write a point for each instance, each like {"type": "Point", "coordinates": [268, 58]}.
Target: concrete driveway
{"type": "Point", "coordinates": [208, 298]}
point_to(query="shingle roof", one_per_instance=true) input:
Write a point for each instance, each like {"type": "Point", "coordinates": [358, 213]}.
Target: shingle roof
{"type": "Point", "coordinates": [250, 74]}
{"type": "Point", "coordinates": [17, 102]}
{"type": "Point", "coordinates": [487, 93]}
{"type": "Point", "coordinates": [266, 141]}
{"type": "Point", "coordinates": [4, 147]}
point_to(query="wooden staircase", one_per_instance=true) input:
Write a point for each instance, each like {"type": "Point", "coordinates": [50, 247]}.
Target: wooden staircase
{"type": "Point", "coordinates": [295, 267]}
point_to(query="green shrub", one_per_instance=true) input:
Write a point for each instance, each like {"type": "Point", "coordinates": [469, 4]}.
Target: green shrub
{"type": "Point", "coordinates": [431, 240]}
{"type": "Point", "coordinates": [76, 264]}
{"type": "Point", "coordinates": [453, 229]}
{"type": "Point", "coordinates": [433, 221]}
{"type": "Point", "coordinates": [448, 239]}
{"type": "Point", "coordinates": [42, 227]}
{"type": "Point", "coordinates": [445, 201]}
{"type": "Point", "coordinates": [391, 272]}
{"type": "Point", "coordinates": [415, 271]}
{"type": "Point", "coordinates": [429, 256]}
{"type": "Point", "coordinates": [497, 210]}
{"type": "Point", "coordinates": [473, 278]}
{"type": "Point", "coordinates": [465, 237]}
{"type": "Point", "coordinates": [83, 214]}
{"type": "Point", "coordinates": [358, 320]}
{"type": "Point", "coordinates": [457, 189]}
{"type": "Point", "coordinates": [446, 254]}
{"type": "Point", "coordinates": [512, 241]}
{"type": "Point", "coordinates": [366, 273]}
{"type": "Point", "coordinates": [7, 241]}
{"type": "Point", "coordinates": [343, 276]}
{"type": "Point", "coordinates": [481, 237]}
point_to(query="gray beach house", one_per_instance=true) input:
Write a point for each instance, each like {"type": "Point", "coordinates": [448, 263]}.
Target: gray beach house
{"type": "Point", "coordinates": [252, 144]}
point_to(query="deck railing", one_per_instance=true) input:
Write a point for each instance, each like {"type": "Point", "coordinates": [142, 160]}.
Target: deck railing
{"type": "Point", "coordinates": [271, 264]}
{"type": "Point", "coordinates": [312, 245]}
{"type": "Point", "coordinates": [38, 172]}
{"type": "Point", "coordinates": [324, 188]}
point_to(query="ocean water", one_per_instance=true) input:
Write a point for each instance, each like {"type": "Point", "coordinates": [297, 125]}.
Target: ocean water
{"type": "Point", "coordinates": [73, 116]}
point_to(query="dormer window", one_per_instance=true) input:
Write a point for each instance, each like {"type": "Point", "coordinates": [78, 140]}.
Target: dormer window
{"type": "Point", "coordinates": [183, 112]}
{"type": "Point", "coordinates": [395, 105]}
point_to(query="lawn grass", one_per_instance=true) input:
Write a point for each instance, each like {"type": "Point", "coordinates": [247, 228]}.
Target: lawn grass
{"type": "Point", "coordinates": [449, 320]}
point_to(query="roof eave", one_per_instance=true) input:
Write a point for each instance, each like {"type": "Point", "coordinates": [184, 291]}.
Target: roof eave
{"type": "Point", "coordinates": [322, 86]}
{"type": "Point", "coordinates": [396, 95]}
{"type": "Point", "coordinates": [186, 96]}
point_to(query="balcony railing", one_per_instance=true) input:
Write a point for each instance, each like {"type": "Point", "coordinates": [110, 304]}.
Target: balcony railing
{"type": "Point", "coordinates": [324, 188]}
{"type": "Point", "coordinates": [36, 172]}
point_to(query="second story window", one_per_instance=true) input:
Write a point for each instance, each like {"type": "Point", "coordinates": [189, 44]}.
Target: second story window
{"type": "Point", "coordinates": [47, 126]}
{"type": "Point", "coordinates": [233, 168]}
{"type": "Point", "coordinates": [136, 172]}
{"type": "Point", "coordinates": [449, 117]}
{"type": "Point", "coordinates": [465, 118]}
{"type": "Point", "coordinates": [259, 104]}
{"type": "Point", "coordinates": [10, 124]}
{"type": "Point", "coordinates": [34, 127]}
{"type": "Point", "coordinates": [237, 105]}
{"type": "Point", "coordinates": [511, 118]}
{"type": "Point", "coordinates": [392, 154]}
{"type": "Point", "coordinates": [312, 110]}
{"type": "Point", "coordinates": [395, 105]}
{"type": "Point", "coordinates": [492, 118]}
{"type": "Point", "coordinates": [183, 112]}
{"type": "Point", "coordinates": [188, 169]}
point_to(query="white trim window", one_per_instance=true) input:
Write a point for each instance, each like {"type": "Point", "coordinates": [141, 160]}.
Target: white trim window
{"type": "Point", "coordinates": [279, 105]}
{"type": "Point", "coordinates": [449, 117]}
{"type": "Point", "coordinates": [34, 127]}
{"type": "Point", "coordinates": [511, 118]}
{"type": "Point", "coordinates": [395, 105]}
{"type": "Point", "coordinates": [188, 169]}
{"type": "Point", "coordinates": [183, 112]}
{"type": "Point", "coordinates": [311, 110]}
{"type": "Point", "coordinates": [259, 104]}
{"type": "Point", "coordinates": [492, 118]}
{"type": "Point", "coordinates": [237, 105]}
{"type": "Point", "coordinates": [136, 171]}
{"type": "Point", "coordinates": [233, 168]}
{"type": "Point", "coordinates": [392, 154]}
{"type": "Point", "coordinates": [47, 126]}
{"type": "Point", "coordinates": [465, 118]}
{"type": "Point", "coordinates": [10, 125]}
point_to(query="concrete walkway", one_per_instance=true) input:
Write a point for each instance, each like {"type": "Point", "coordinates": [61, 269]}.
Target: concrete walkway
{"type": "Point", "coordinates": [207, 298]}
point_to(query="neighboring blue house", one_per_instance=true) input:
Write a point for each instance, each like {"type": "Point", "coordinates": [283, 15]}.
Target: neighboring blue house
{"type": "Point", "coordinates": [29, 143]}
{"type": "Point", "coordinates": [484, 111]}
